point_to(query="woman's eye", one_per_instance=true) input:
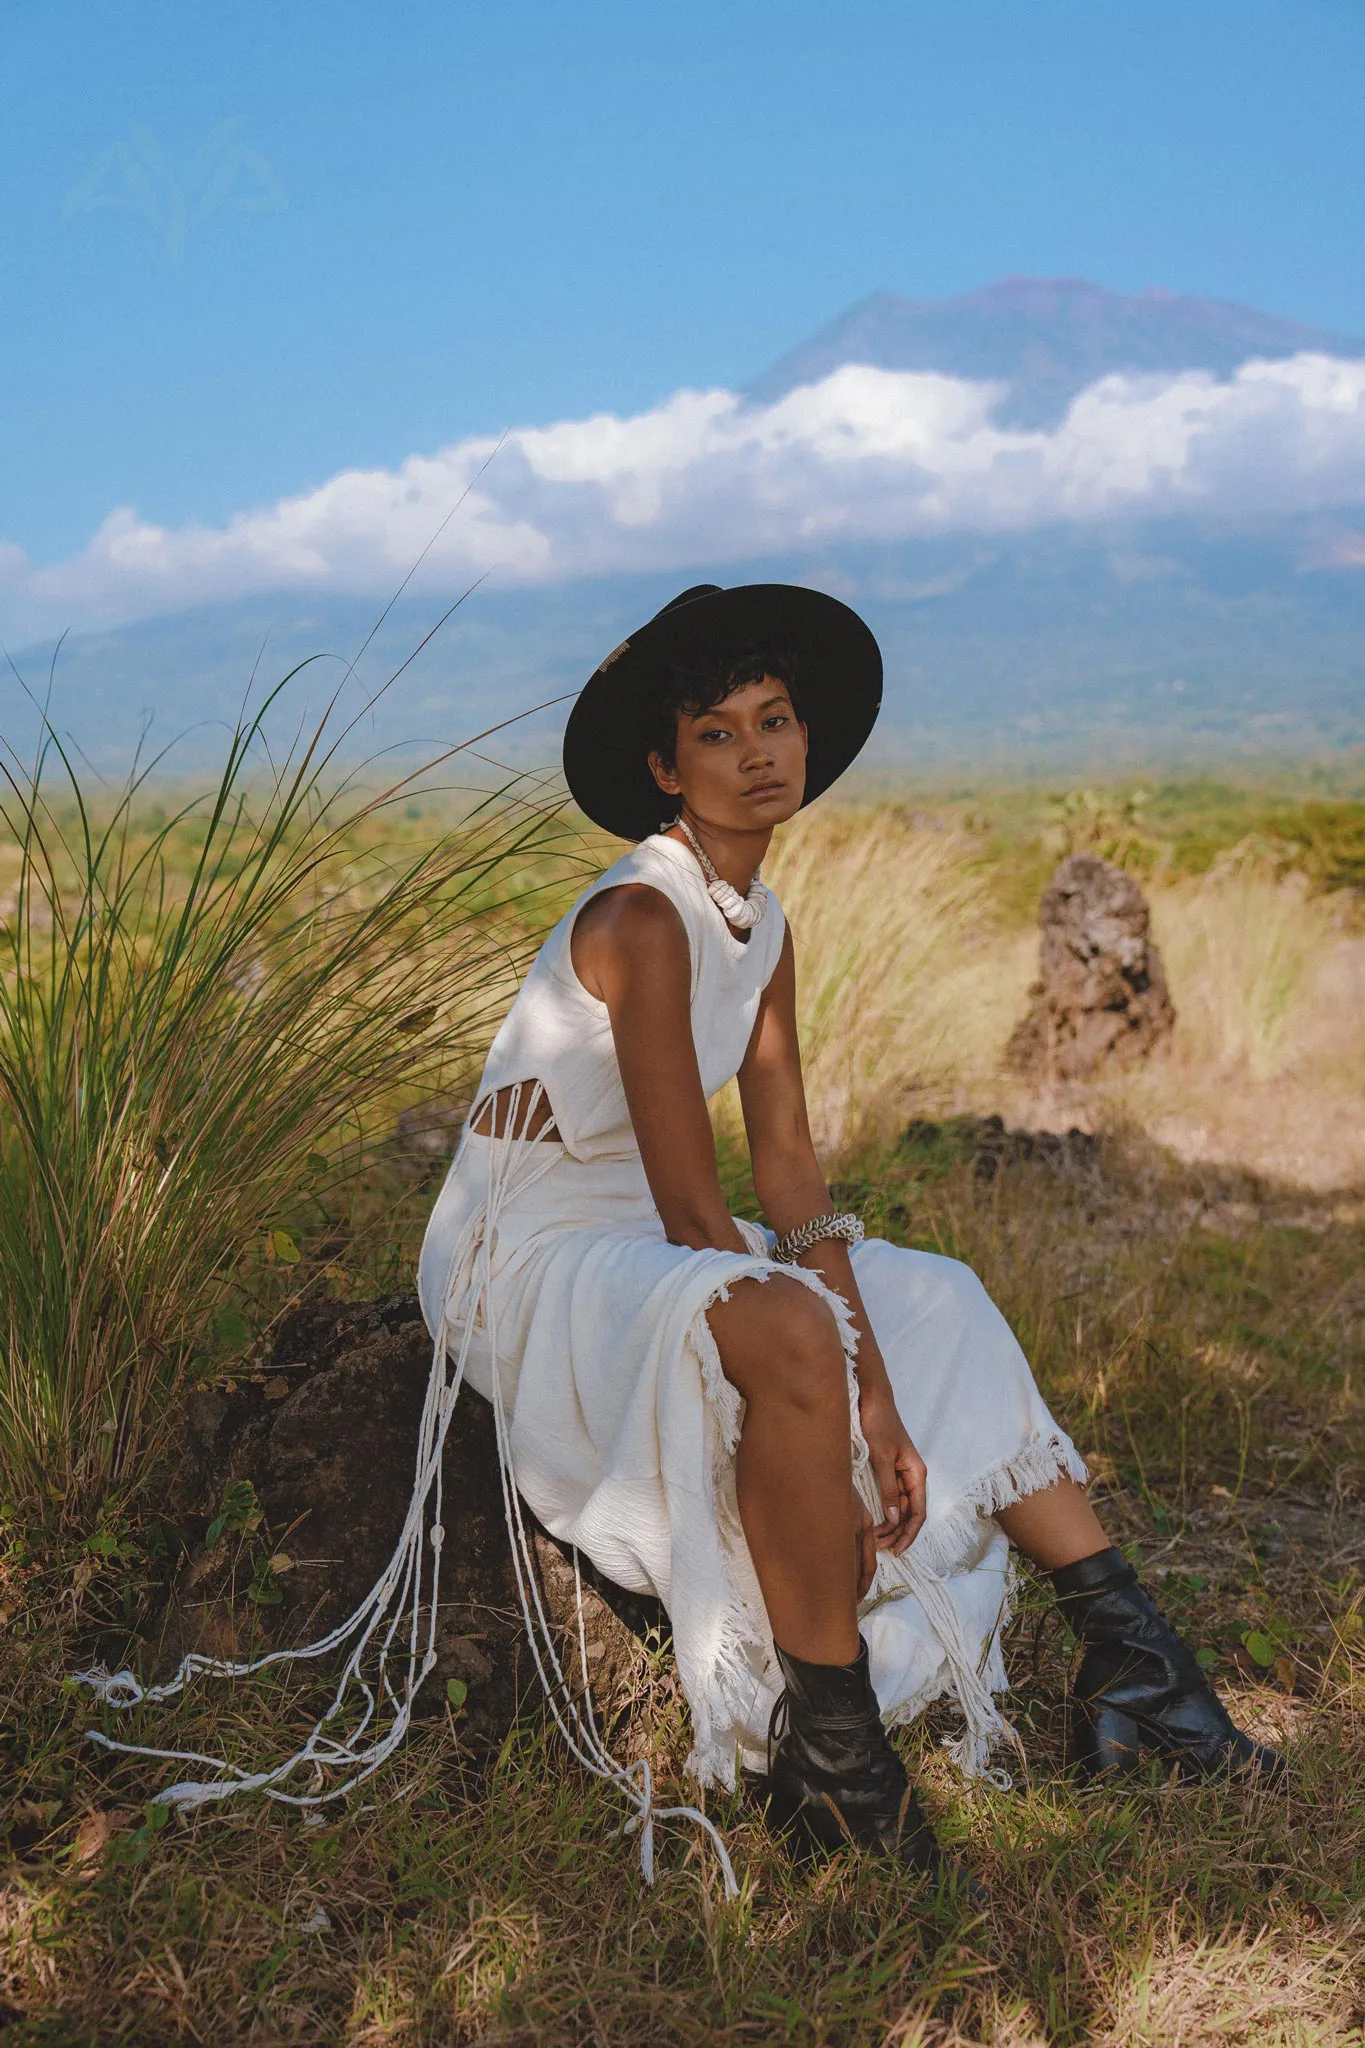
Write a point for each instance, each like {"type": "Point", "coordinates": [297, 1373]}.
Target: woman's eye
{"type": "Point", "coordinates": [775, 718]}
{"type": "Point", "coordinates": [715, 732]}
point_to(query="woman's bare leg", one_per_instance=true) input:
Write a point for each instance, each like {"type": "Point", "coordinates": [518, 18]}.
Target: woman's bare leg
{"type": "Point", "coordinates": [1055, 1526]}
{"type": "Point", "coordinates": [779, 1347]}
{"type": "Point", "coordinates": [794, 1475]}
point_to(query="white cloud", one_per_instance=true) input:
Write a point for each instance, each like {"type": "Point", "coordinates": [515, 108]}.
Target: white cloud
{"type": "Point", "coordinates": [706, 479]}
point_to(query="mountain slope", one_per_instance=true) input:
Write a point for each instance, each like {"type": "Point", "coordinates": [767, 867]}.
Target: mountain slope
{"type": "Point", "coordinates": [1046, 337]}
{"type": "Point", "coordinates": [1090, 646]}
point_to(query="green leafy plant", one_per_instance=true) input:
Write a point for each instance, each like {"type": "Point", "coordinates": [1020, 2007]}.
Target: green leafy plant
{"type": "Point", "coordinates": [1267, 1642]}
{"type": "Point", "coordinates": [231, 1329]}
{"type": "Point", "coordinates": [239, 1513]}
{"type": "Point", "coordinates": [135, 1846]}
{"type": "Point", "coordinates": [264, 1584]}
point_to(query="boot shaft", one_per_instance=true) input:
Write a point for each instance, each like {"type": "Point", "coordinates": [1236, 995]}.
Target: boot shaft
{"type": "Point", "coordinates": [829, 1692]}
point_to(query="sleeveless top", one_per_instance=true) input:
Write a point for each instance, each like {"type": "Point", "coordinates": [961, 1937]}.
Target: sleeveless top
{"type": "Point", "coordinates": [558, 1034]}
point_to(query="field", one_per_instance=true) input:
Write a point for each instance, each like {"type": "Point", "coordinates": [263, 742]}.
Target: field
{"type": "Point", "coordinates": [1181, 1251]}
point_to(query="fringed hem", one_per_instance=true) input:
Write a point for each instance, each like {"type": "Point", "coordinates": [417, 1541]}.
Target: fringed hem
{"type": "Point", "coordinates": [941, 1552]}
{"type": "Point", "coordinates": [711, 1765]}
{"type": "Point", "coordinates": [942, 1684]}
{"type": "Point", "coordinates": [943, 1545]}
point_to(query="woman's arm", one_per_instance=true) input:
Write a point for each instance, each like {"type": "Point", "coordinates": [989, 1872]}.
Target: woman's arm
{"type": "Point", "coordinates": [791, 1188]}
{"type": "Point", "coordinates": [787, 1176]}
{"type": "Point", "coordinates": [629, 949]}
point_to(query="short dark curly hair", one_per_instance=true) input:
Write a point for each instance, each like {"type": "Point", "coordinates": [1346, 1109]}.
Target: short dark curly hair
{"type": "Point", "coordinates": [691, 690]}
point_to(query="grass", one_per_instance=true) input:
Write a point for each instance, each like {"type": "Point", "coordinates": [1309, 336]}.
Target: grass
{"type": "Point", "coordinates": [1195, 1314]}
{"type": "Point", "coordinates": [881, 991]}
{"type": "Point", "coordinates": [199, 1019]}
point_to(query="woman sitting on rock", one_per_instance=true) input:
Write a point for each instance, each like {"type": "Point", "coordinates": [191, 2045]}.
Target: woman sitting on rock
{"type": "Point", "coordinates": [814, 1448]}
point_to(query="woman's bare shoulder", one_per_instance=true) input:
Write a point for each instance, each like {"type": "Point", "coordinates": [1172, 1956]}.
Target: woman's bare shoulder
{"type": "Point", "coordinates": [631, 924]}
{"type": "Point", "coordinates": [630, 910]}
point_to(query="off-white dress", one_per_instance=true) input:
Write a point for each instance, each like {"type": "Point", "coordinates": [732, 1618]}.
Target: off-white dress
{"type": "Point", "coordinates": [547, 1266]}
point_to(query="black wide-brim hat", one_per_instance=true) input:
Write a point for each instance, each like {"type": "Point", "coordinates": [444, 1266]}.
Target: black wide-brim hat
{"type": "Point", "coordinates": [838, 691]}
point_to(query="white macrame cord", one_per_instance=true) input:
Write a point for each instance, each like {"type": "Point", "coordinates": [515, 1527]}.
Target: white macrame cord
{"type": "Point", "coordinates": [514, 1165]}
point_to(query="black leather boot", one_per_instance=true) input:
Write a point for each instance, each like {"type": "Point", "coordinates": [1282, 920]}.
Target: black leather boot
{"type": "Point", "coordinates": [1139, 1688]}
{"type": "Point", "coordinates": [834, 1778]}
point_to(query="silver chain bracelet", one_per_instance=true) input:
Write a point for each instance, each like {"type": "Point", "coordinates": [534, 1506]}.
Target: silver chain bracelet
{"type": "Point", "coordinates": [788, 1249]}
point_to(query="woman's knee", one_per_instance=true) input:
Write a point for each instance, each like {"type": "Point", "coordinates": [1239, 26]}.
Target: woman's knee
{"type": "Point", "coordinates": [794, 1352]}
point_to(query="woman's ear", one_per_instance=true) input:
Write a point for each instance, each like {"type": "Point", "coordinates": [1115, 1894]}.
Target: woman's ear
{"type": "Point", "coordinates": [666, 777]}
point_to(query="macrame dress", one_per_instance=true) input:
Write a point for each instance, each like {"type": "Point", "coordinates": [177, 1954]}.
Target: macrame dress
{"type": "Point", "coordinates": [545, 1271]}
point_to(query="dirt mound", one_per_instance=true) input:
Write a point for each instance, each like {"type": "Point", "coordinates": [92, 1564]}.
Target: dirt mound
{"type": "Point", "coordinates": [326, 1433]}
{"type": "Point", "coordinates": [990, 1145]}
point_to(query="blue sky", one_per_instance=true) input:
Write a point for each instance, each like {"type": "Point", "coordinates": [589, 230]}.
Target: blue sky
{"type": "Point", "coordinates": [470, 217]}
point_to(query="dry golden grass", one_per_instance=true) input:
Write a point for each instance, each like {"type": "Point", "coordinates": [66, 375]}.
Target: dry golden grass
{"type": "Point", "coordinates": [885, 920]}
{"type": "Point", "coordinates": [913, 969]}
{"type": "Point", "coordinates": [1268, 1066]}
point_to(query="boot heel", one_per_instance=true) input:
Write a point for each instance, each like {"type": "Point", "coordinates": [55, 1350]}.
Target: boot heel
{"type": "Point", "coordinates": [810, 1831]}
{"type": "Point", "coordinates": [781, 1809]}
{"type": "Point", "coordinates": [1104, 1742]}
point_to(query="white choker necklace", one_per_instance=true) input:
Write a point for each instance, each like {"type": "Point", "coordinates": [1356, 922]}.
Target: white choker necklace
{"type": "Point", "coordinates": [744, 912]}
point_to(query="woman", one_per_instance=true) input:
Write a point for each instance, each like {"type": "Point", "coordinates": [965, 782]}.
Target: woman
{"type": "Point", "coordinates": [816, 1450]}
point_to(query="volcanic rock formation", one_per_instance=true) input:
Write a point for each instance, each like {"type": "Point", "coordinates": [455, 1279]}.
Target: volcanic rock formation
{"type": "Point", "coordinates": [1101, 995]}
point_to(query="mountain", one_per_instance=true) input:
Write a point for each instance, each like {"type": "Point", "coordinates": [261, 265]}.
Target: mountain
{"type": "Point", "coordinates": [1046, 337]}
{"type": "Point", "coordinates": [1071, 650]}
{"type": "Point", "coordinates": [1082, 645]}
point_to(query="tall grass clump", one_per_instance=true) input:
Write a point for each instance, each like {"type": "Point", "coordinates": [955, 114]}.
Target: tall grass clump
{"type": "Point", "coordinates": [1243, 951]}
{"type": "Point", "coordinates": [198, 1013]}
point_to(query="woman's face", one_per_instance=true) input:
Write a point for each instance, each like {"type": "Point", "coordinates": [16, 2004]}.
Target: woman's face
{"type": "Point", "coordinates": [742, 765]}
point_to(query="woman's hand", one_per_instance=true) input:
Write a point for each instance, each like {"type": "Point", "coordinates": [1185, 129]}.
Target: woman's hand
{"type": "Point", "coordinates": [897, 1466]}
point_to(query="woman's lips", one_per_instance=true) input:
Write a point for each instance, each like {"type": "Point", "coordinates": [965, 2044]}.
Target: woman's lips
{"type": "Point", "coordinates": [766, 789]}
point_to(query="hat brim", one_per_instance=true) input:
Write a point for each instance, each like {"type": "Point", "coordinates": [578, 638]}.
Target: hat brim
{"type": "Point", "coordinates": [838, 690]}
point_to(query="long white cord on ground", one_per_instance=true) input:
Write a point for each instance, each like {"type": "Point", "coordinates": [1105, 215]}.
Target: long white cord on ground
{"type": "Point", "coordinates": [514, 1166]}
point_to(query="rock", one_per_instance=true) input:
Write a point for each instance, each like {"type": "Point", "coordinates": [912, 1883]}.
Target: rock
{"type": "Point", "coordinates": [332, 1466]}
{"type": "Point", "coordinates": [1101, 996]}
{"type": "Point", "coordinates": [460, 1657]}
